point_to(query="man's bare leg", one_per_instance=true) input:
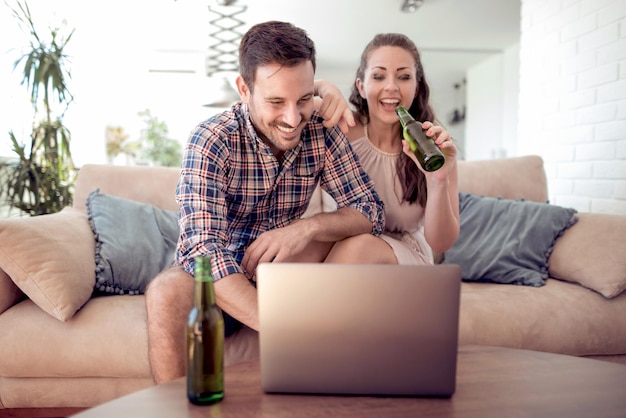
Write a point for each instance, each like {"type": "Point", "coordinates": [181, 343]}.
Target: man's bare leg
{"type": "Point", "coordinates": [169, 298]}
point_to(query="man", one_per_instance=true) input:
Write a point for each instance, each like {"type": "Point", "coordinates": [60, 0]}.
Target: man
{"type": "Point", "coordinates": [247, 177]}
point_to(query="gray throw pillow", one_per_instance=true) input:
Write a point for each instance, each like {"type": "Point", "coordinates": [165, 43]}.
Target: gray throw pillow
{"type": "Point", "coordinates": [507, 241]}
{"type": "Point", "coordinates": [134, 242]}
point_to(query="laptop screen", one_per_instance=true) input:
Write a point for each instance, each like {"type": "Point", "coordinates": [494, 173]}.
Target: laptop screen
{"type": "Point", "coordinates": [358, 329]}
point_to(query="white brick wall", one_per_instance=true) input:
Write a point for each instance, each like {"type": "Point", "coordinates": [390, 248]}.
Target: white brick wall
{"type": "Point", "coordinates": [573, 99]}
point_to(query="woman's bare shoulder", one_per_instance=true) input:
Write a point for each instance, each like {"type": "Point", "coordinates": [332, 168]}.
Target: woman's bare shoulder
{"type": "Point", "coordinates": [356, 132]}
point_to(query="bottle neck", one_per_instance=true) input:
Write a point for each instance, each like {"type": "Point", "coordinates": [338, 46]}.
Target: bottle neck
{"type": "Point", "coordinates": [404, 115]}
{"type": "Point", "coordinates": [204, 295]}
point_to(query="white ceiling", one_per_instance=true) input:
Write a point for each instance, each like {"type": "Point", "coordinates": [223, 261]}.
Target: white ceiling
{"type": "Point", "coordinates": [117, 41]}
{"type": "Point", "coordinates": [341, 28]}
{"type": "Point", "coordinates": [452, 35]}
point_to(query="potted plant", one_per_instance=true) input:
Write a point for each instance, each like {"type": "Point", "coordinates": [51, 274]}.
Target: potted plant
{"type": "Point", "coordinates": [41, 181]}
{"type": "Point", "coordinates": [157, 147]}
{"type": "Point", "coordinates": [118, 145]}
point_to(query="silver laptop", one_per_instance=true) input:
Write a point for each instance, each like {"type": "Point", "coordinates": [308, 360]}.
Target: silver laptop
{"type": "Point", "coordinates": [349, 329]}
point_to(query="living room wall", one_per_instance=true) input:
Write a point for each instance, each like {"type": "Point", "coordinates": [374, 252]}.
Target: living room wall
{"type": "Point", "coordinates": [563, 91]}
{"type": "Point", "coordinates": [492, 106]}
{"type": "Point", "coordinates": [110, 59]}
{"type": "Point", "coordinates": [127, 57]}
{"type": "Point", "coordinates": [572, 91]}
{"type": "Point", "coordinates": [573, 99]}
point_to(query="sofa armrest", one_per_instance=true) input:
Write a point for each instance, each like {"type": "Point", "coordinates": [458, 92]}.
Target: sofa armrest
{"type": "Point", "coordinates": [10, 294]}
{"type": "Point", "coordinates": [591, 253]}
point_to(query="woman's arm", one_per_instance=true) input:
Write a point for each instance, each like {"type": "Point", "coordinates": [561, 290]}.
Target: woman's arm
{"type": "Point", "coordinates": [441, 217]}
{"type": "Point", "coordinates": [333, 107]}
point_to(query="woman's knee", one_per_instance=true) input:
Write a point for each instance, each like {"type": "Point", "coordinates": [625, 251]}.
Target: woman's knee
{"type": "Point", "coordinates": [363, 248]}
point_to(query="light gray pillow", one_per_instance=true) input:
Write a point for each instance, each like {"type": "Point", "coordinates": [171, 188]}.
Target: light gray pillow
{"type": "Point", "coordinates": [134, 242]}
{"type": "Point", "coordinates": [507, 241]}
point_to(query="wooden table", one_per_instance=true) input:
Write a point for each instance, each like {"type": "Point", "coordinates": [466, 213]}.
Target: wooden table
{"type": "Point", "coordinates": [491, 382]}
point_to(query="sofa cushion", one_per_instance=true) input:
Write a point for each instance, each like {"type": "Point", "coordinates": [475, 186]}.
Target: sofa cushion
{"type": "Point", "coordinates": [51, 259]}
{"type": "Point", "coordinates": [9, 292]}
{"type": "Point", "coordinates": [107, 338]}
{"type": "Point", "coordinates": [134, 242]}
{"type": "Point", "coordinates": [593, 254]}
{"type": "Point", "coordinates": [559, 317]}
{"type": "Point", "coordinates": [507, 241]}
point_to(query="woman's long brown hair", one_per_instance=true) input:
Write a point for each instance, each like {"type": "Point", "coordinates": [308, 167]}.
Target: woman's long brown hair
{"type": "Point", "coordinates": [412, 179]}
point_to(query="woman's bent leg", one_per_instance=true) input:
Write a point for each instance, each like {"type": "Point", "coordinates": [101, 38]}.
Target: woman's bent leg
{"type": "Point", "coordinates": [362, 249]}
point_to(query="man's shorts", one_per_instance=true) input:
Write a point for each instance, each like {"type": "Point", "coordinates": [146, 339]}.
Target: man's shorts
{"type": "Point", "coordinates": [231, 325]}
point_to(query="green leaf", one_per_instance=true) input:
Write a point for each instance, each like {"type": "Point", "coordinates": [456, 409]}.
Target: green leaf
{"type": "Point", "coordinates": [42, 181]}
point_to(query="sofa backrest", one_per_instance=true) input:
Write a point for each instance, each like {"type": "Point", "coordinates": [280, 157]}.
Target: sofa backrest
{"type": "Point", "coordinates": [508, 178]}
{"type": "Point", "coordinates": [153, 185]}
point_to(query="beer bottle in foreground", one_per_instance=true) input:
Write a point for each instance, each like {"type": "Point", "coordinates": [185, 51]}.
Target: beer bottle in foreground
{"type": "Point", "coordinates": [427, 152]}
{"type": "Point", "coordinates": [205, 340]}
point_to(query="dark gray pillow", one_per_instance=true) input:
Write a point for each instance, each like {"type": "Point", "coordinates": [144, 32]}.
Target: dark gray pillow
{"type": "Point", "coordinates": [134, 242]}
{"type": "Point", "coordinates": [507, 241]}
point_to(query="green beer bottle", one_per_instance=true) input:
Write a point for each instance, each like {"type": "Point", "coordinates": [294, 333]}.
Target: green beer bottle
{"type": "Point", "coordinates": [427, 152]}
{"type": "Point", "coordinates": [205, 340]}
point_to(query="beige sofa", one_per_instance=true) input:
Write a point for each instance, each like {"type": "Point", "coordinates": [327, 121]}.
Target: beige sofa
{"type": "Point", "coordinates": [61, 347]}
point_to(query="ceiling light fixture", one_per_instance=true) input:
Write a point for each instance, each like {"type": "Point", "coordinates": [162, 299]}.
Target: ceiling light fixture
{"type": "Point", "coordinates": [223, 52]}
{"type": "Point", "coordinates": [410, 6]}
{"type": "Point", "coordinates": [222, 94]}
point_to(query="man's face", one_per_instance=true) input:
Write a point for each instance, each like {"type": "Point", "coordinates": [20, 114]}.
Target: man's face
{"type": "Point", "coordinates": [281, 104]}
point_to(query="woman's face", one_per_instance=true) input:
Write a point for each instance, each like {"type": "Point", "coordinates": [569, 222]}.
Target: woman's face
{"type": "Point", "coordinates": [389, 81]}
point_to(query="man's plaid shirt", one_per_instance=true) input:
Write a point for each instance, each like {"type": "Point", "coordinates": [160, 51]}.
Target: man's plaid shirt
{"type": "Point", "coordinates": [232, 188]}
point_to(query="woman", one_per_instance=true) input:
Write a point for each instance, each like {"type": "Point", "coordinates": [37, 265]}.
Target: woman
{"type": "Point", "coordinates": [421, 208]}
